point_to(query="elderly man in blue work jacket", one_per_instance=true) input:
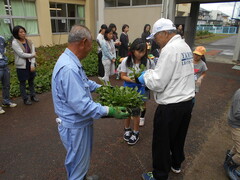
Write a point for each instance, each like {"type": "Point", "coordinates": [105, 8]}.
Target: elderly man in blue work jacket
{"type": "Point", "coordinates": [74, 106]}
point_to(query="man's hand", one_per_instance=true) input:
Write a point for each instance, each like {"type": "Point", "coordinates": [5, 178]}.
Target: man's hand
{"type": "Point", "coordinates": [118, 112]}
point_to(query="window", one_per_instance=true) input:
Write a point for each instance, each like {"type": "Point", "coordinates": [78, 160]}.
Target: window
{"type": "Point", "coordinates": [71, 10]}
{"type": "Point", "coordinates": [110, 3]}
{"type": "Point", "coordinates": [154, 2]}
{"type": "Point", "coordinates": [138, 2]}
{"type": "Point", "coordinates": [18, 12]}
{"type": "Point", "coordinates": [116, 3]}
{"type": "Point", "coordinates": [123, 2]}
{"type": "Point", "coordinates": [64, 16]}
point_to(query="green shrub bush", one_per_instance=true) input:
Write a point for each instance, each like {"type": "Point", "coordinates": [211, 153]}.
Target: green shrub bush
{"type": "Point", "coordinates": [46, 59]}
{"type": "Point", "coordinates": [203, 33]}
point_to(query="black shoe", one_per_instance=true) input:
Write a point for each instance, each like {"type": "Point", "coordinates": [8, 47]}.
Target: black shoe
{"type": "Point", "coordinates": [127, 134]}
{"type": "Point", "coordinates": [27, 102]}
{"type": "Point", "coordinates": [133, 139]}
{"type": "Point", "coordinates": [35, 99]}
{"type": "Point", "coordinates": [227, 159]}
{"type": "Point", "coordinates": [228, 156]}
{"type": "Point", "coordinates": [231, 169]}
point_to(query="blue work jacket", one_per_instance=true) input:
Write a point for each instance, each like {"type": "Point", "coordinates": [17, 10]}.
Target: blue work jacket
{"type": "Point", "coordinates": [71, 92]}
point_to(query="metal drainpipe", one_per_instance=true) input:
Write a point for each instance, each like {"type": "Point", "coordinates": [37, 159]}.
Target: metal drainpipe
{"type": "Point", "coordinates": [162, 10]}
{"type": "Point", "coordinates": [96, 17]}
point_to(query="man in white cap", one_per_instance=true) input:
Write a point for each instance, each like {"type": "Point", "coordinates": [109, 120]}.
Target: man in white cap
{"type": "Point", "coordinates": [172, 82]}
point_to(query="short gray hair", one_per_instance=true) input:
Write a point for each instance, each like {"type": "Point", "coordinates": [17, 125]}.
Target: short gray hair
{"type": "Point", "coordinates": [78, 33]}
{"type": "Point", "coordinates": [172, 31]}
{"type": "Point", "coordinates": [168, 31]}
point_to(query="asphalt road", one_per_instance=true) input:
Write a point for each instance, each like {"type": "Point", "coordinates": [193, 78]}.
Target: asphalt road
{"type": "Point", "coordinates": [225, 45]}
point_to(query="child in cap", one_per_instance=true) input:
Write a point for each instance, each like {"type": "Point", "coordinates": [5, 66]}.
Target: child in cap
{"type": "Point", "coordinates": [200, 66]}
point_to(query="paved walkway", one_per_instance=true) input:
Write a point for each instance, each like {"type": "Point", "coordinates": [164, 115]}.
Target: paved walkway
{"type": "Point", "coordinates": [30, 147]}
{"type": "Point", "coordinates": [222, 50]}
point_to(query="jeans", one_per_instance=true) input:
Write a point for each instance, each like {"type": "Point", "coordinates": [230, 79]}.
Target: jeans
{"type": "Point", "coordinates": [5, 80]}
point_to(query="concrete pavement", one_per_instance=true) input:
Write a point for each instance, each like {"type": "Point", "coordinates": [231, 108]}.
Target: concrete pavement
{"type": "Point", "coordinates": [221, 51]}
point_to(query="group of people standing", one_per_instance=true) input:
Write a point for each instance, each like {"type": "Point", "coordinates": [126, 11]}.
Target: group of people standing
{"type": "Point", "coordinates": [133, 56]}
{"type": "Point", "coordinates": [24, 53]}
{"type": "Point", "coordinates": [172, 82]}
{"type": "Point", "coordinates": [109, 47]}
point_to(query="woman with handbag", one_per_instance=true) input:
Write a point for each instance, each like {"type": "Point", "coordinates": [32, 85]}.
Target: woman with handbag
{"type": "Point", "coordinates": [25, 62]}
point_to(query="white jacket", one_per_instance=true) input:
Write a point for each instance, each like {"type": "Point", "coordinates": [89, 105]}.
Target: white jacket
{"type": "Point", "coordinates": [20, 56]}
{"type": "Point", "coordinates": [172, 80]}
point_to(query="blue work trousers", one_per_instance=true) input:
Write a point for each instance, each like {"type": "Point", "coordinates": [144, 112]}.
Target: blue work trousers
{"type": "Point", "coordinates": [78, 143]}
{"type": "Point", "coordinates": [5, 80]}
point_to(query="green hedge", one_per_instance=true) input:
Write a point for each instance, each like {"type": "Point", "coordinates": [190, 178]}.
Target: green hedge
{"type": "Point", "coordinates": [203, 33]}
{"type": "Point", "coordinates": [46, 59]}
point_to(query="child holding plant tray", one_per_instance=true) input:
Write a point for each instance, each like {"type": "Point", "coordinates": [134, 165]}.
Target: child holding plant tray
{"type": "Point", "coordinates": [131, 68]}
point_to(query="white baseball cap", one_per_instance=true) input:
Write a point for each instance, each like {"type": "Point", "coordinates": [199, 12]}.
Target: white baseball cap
{"type": "Point", "coordinates": [162, 25]}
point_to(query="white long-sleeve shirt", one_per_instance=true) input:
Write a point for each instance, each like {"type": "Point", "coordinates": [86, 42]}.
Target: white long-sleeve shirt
{"type": "Point", "coordinates": [172, 80]}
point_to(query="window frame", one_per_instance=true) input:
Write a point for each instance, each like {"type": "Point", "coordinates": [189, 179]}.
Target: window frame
{"type": "Point", "coordinates": [10, 17]}
{"type": "Point", "coordinates": [67, 18]}
{"type": "Point", "coordinates": [131, 4]}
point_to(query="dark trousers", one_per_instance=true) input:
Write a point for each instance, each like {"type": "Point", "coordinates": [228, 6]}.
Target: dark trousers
{"type": "Point", "coordinates": [100, 65]}
{"type": "Point", "coordinates": [169, 133]}
{"type": "Point", "coordinates": [23, 88]}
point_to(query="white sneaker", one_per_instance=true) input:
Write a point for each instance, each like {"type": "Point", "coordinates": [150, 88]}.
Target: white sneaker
{"type": "Point", "coordinates": [100, 78]}
{"type": "Point", "coordinates": [1, 110]}
{"type": "Point", "coordinates": [10, 105]}
{"type": "Point", "coordinates": [141, 122]}
{"type": "Point", "coordinates": [176, 170]}
{"type": "Point", "coordinates": [93, 177]}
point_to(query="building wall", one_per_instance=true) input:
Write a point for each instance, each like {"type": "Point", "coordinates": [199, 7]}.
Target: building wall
{"type": "Point", "coordinates": [44, 24]}
{"type": "Point", "coordinates": [90, 16]}
{"type": "Point", "coordinates": [46, 37]}
{"type": "Point", "coordinates": [185, 8]}
{"type": "Point", "coordinates": [59, 38]}
{"type": "Point", "coordinates": [135, 17]}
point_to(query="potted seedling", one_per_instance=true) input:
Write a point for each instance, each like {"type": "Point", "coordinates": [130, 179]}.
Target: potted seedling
{"type": "Point", "coordinates": [135, 74]}
{"type": "Point", "coordinates": [121, 96]}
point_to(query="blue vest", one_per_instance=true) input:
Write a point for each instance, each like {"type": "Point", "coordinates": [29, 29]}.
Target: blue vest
{"type": "Point", "coordinates": [3, 58]}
